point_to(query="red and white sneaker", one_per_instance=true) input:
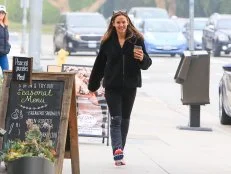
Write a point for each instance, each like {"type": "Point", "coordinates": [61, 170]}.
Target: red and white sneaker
{"type": "Point", "coordinates": [118, 155]}
{"type": "Point", "coordinates": [120, 163]}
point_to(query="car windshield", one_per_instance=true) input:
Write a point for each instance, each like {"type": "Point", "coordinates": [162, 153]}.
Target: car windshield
{"type": "Point", "coordinates": [144, 14]}
{"type": "Point", "coordinates": [86, 21]}
{"type": "Point", "coordinates": [199, 25]}
{"type": "Point", "coordinates": [161, 26]}
{"type": "Point", "coordinates": [224, 24]}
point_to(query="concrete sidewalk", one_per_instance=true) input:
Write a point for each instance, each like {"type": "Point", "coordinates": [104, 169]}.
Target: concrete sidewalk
{"type": "Point", "coordinates": [156, 146]}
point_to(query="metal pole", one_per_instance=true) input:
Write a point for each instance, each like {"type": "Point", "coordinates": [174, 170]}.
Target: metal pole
{"type": "Point", "coordinates": [191, 16]}
{"type": "Point", "coordinates": [194, 109]}
{"type": "Point", "coordinates": [24, 24]}
{"type": "Point", "coordinates": [35, 33]}
{"type": "Point", "coordinates": [194, 116]}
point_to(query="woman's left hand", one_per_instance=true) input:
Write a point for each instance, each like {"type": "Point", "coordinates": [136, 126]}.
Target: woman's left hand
{"type": "Point", "coordinates": [138, 54]}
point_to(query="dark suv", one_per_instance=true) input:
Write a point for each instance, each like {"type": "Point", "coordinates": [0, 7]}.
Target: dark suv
{"type": "Point", "coordinates": [79, 31]}
{"type": "Point", "coordinates": [217, 34]}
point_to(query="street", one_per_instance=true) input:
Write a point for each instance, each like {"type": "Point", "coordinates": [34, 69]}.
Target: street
{"type": "Point", "coordinates": [158, 82]}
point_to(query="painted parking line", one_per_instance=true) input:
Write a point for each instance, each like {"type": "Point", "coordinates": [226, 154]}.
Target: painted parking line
{"type": "Point", "coordinates": [218, 61]}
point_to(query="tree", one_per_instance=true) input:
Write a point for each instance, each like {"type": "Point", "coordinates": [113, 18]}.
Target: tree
{"type": "Point", "coordinates": [62, 5]}
{"type": "Point", "coordinates": [170, 5]}
{"type": "Point", "coordinates": [160, 4]}
{"type": "Point", "coordinates": [95, 6]}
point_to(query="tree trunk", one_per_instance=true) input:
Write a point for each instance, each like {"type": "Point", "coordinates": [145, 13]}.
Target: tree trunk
{"type": "Point", "coordinates": [160, 4]}
{"type": "Point", "coordinates": [94, 7]}
{"type": "Point", "coordinates": [62, 5]}
{"type": "Point", "coordinates": [172, 7]}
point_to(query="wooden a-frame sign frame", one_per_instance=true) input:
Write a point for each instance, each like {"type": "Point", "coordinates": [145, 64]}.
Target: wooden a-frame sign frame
{"type": "Point", "coordinates": [67, 117]}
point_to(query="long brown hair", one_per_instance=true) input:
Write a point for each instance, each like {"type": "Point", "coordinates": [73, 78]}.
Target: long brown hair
{"type": "Point", "coordinates": [131, 30]}
{"type": "Point", "coordinates": [5, 20]}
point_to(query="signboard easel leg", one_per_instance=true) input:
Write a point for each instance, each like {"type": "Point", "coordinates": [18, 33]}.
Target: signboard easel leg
{"type": "Point", "coordinates": [74, 148]}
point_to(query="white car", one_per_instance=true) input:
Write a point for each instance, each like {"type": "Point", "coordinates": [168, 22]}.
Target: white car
{"type": "Point", "coordinates": [138, 14]}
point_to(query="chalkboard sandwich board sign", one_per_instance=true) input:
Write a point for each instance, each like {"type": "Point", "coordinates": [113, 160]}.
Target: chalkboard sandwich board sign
{"type": "Point", "coordinates": [39, 102]}
{"type": "Point", "coordinates": [22, 69]}
{"type": "Point", "coordinates": [50, 98]}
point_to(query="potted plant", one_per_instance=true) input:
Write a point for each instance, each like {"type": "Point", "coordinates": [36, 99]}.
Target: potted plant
{"type": "Point", "coordinates": [31, 156]}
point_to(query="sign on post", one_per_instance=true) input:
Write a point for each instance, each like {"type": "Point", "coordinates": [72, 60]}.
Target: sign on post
{"type": "Point", "coordinates": [22, 69]}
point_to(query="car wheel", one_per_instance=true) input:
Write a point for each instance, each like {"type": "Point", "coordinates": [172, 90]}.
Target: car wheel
{"type": "Point", "coordinates": [172, 55]}
{"type": "Point", "coordinates": [65, 46]}
{"type": "Point", "coordinates": [216, 50]}
{"type": "Point", "coordinates": [55, 49]}
{"type": "Point", "coordinates": [204, 45]}
{"type": "Point", "coordinates": [224, 118]}
{"type": "Point", "coordinates": [226, 52]}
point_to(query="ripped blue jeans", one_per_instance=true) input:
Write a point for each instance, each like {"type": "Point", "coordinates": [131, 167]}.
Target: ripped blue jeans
{"type": "Point", "coordinates": [120, 103]}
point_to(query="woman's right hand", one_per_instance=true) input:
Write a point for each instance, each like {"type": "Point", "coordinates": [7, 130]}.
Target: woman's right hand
{"type": "Point", "coordinates": [91, 93]}
{"type": "Point", "coordinates": [93, 98]}
{"type": "Point", "coordinates": [138, 54]}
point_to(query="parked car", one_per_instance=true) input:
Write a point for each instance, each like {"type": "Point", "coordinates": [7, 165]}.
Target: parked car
{"type": "Point", "coordinates": [79, 31]}
{"type": "Point", "coordinates": [180, 21]}
{"type": "Point", "coordinates": [199, 25]}
{"type": "Point", "coordinates": [163, 36]}
{"type": "Point", "coordinates": [225, 96]}
{"type": "Point", "coordinates": [217, 34]}
{"type": "Point", "coordinates": [138, 14]}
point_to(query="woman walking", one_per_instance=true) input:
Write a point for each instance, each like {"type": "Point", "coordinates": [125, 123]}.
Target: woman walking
{"type": "Point", "coordinates": [119, 63]}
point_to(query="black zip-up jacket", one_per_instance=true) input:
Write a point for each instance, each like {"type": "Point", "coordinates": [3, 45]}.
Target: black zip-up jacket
{"type": "Point", "coordinates": [117, 66]}
{"type": "Point", "coordinates": [4, 41]}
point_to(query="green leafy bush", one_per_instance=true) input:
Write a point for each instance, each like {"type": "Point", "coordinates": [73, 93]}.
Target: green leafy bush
{"type": "Point", "coordinates": [33, 146]}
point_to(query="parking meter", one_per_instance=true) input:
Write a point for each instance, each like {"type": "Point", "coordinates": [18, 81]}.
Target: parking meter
{"type": "Point", "coordinates": [193, 74]}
